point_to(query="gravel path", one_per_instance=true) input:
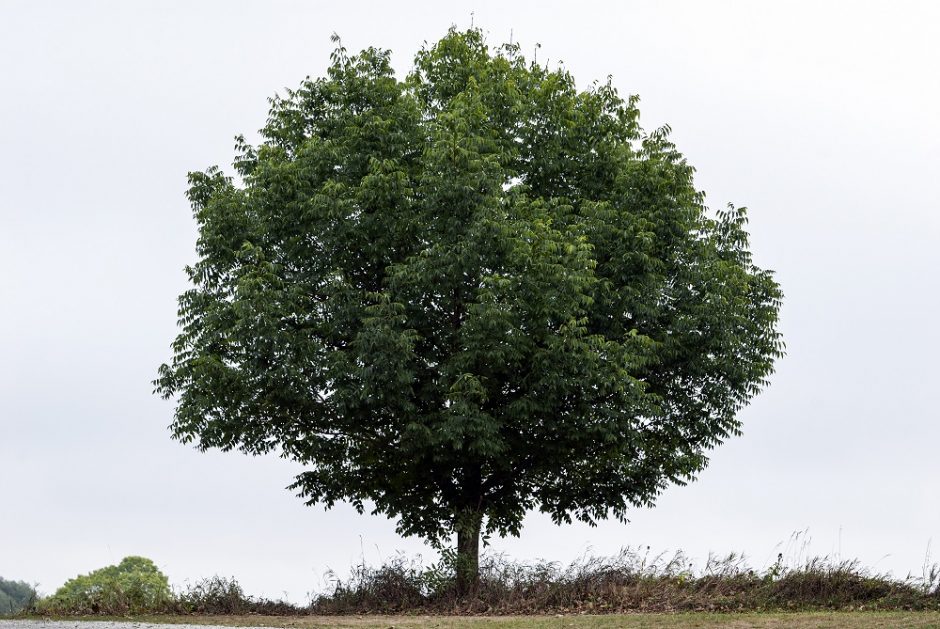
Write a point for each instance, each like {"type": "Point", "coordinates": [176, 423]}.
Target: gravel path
{"type": "Point", "coordinates": [94, 624]}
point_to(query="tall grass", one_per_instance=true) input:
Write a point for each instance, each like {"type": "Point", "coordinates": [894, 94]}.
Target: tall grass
{"type": "Point", "coordinates": [218, 595]}
{"type": "Point", "coordinates": [632, 580]}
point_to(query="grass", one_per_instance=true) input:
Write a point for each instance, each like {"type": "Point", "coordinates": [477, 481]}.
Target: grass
{"type": "Point", "coordinates": [618, 591]}
{"type": "Point", "coordinates": [631, 582]}
{"type": "Point", "coordinates": [703, 620]}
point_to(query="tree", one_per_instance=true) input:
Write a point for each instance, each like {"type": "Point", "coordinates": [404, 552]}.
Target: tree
{"type": "Point", "coordinates": [15, 596]}
{"type": "Point", "coordinates": [467, 294]}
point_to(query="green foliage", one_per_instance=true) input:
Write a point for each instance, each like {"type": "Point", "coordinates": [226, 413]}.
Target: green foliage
{"type": "Point", "coordinates": [15, 596]}
{"type": "Point", "coordinates": [133, 586]}
{"type": "Point", "coordinates": [467, 294]}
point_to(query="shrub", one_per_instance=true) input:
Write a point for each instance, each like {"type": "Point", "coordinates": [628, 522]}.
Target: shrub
{"type": "Point", "coordinates": [133, 586]}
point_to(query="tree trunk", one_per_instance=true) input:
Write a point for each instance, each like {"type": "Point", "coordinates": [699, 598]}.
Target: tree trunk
{"type": "Point", "coordinates": [468, 553]}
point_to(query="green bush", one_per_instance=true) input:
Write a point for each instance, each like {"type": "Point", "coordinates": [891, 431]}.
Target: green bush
{"type": "Point", "coordinates": [133, 586]}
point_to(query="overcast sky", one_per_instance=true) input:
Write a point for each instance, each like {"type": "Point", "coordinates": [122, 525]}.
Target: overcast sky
{"type": "Point", "coordinates": [822, 118]}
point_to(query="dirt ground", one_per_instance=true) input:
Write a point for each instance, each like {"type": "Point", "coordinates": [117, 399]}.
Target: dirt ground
{"type": "Point", "coordinates": [815, 620]}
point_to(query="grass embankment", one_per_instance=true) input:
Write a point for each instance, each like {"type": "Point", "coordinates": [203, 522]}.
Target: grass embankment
{"type": "Point", "coordinates": [593, 592]}
{"type": "Point", "coordinates": [631, 582]}
{"type": "Point", "coordinates": [694, 620]}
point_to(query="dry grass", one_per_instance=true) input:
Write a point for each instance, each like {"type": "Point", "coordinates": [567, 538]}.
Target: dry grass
{"type": "Point", "coordinates": [631, 582]}
{"type": "Point", "coordinates": [813, 620]}
{"type": "Point", "coordinates": [623, 587]}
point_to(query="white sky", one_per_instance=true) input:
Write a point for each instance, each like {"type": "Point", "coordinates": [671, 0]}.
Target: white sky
{"type": "Point", "coordinates": [821, 117]}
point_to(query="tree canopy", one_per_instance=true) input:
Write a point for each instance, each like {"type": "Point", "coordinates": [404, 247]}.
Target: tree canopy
{"type": "Point", "coordinates": [465, 294]}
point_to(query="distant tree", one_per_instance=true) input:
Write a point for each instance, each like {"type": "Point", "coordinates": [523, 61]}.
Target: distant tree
{"type": "Point", "coordinates": [467, 294]}
{"type": "Point", "coordinates": [15, 595]}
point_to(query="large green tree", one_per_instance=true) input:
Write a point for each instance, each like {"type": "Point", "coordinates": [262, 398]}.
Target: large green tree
{"type": "Point", "coordinates": [467, 294]}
